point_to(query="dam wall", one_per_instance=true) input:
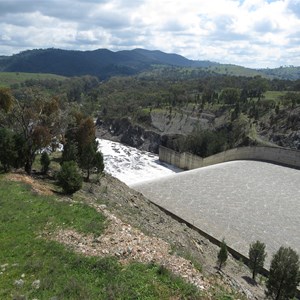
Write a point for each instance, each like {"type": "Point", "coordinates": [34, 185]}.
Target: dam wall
{"type": "Point", "coordinates": [188, 161]}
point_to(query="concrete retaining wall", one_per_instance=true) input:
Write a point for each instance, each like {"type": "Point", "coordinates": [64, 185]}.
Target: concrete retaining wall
{"type": "Point", "coordinates": [188, 161]}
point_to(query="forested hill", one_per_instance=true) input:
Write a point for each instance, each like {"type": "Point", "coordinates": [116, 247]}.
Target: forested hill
{"type": "Point", "coordinates": [104, 64]}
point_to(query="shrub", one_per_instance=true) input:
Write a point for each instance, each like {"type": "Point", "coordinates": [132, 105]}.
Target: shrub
{"type": "Point", "coordinates": [69, 177]}
{"type": "Point", "coordinates": [8, 153]}
{"type": "Point", "coordinates": [45, 162]}
{"type": "Point", "coordinates": [223, 254]}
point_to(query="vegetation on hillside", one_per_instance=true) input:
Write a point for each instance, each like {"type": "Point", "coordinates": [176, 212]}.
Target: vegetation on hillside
{"type": "Point", "coordinates": [245, 105]}
{"type": "Point", "coordinates": [36, 114]}
{"type": "Point", "coordinates": [34, 266]}
{"type": "Point", "coordinates": [32, 121]}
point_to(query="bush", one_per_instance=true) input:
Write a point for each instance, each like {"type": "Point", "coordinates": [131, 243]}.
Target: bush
{"type": "Point", "coordinates": [8, 153]}
{"type": "Point", "coordinates": [69, 177]}
{"type": "Point", "coordinates": [70, 152]}
{"type": "Point", "coordinates": [223, 254]}
{"type": "Point", "coordinates": [205, 142]}
{"type": "Point", "coordinates": [45, 162]}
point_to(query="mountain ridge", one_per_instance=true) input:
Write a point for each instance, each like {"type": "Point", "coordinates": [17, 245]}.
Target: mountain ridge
{"type": "Point", "coordinates": [105, 63]}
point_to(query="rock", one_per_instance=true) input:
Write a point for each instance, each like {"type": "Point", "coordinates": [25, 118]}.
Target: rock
{"type": "Point", "coordinates": [4, 266]}
{"type": "Point", "coordinates": [19, 297]}
{"type": "Point", "coordinates": [36, 284]}
{"type": "Point", "coordinates": [117, 254]}
{"type": "Point", "coordinates": [97, 240]}
{"type": "Point", "coordinates": [19, 283]}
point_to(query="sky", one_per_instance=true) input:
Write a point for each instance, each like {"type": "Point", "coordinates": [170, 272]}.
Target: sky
{"type": "Point", "coordinates": [251, 33]}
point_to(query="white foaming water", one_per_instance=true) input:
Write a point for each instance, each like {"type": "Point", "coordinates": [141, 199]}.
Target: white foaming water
{"type": "Point", "coordinates": [131, 165]}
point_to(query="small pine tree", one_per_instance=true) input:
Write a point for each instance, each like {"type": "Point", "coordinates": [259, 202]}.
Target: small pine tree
{"type": "Point", "coordinates": [86, 160]}
{"type": "Point", "coordinates": [223, 254]}
{"type": "Point", "coordinates": [69, 177]}
{"type": "Point", "coordinates": [91, 158]}
{"type": "Point", "coordinates": [284, 275]}
{"type": "Point", "coordinates": [70, 152]}
{"type": "Point", "coordinates": [257, 257]}
{"type": "Point", "coordinates": [99, 162]}
{"type": "Point", "coordinates": [45, 162]}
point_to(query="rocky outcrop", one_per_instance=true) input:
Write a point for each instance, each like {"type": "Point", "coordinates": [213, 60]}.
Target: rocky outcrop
{"type": "Point", "coordinates": [290, 140]}
{"type": "Point", "coordinates": [283, 129]}
{"type": "Point", "coordinates": [166, 128]}
{"type": "Point", "coordinates": [122, 130]}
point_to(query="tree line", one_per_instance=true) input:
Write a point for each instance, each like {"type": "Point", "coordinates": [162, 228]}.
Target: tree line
{"type": "Point", "coordinates": [126, 96]}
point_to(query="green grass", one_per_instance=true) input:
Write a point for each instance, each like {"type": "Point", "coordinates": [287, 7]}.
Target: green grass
{"type": "Point", "coordinates": [235, 70]}
{"type": "Point", "coordinates": [63, 274]}
{"type": "Point", "coordinates": [9, 78]}
{"type": "Point", "coordinates": [274, 95]}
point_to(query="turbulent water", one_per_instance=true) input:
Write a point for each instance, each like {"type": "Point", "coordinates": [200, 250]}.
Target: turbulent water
{"type": "Point", "coordinates": [131, 165]}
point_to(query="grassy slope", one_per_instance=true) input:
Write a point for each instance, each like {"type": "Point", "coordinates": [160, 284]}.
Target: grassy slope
{"type": "Point", "coordinates": [9, 78]}
{"type": "Point", "coordinates": [236, 71]}
{"type": "Point", "coordinates": [25, 255]}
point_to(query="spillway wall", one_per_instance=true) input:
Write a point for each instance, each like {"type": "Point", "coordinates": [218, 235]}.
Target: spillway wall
{"type": "Point", "coordinates": [188, 161]}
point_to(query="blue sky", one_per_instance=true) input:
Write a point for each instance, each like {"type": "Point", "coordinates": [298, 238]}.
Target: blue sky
{"type": "Point", "coordinates": [253, 33]}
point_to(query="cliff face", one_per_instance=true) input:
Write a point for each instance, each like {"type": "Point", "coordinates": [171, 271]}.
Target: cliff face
{"type": "Point", "coordinates": [122, 130]}
{"type": "Point", "coordinates": [164, 128]}
{"type": "Point", "coordinates": [285, 129]}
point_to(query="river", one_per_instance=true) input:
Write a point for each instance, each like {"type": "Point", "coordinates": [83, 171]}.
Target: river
{"type": "Point", "coordinates": [131, 165]}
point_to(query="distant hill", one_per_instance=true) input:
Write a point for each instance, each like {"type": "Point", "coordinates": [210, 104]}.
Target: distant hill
{"type": "Point", "coordinates": [104, 63]}
{"type": "Point", "coordinates": [290, 72]}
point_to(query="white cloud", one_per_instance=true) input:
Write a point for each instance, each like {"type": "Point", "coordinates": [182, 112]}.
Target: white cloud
{"type": "Point", "coordinates": [255, 33]}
